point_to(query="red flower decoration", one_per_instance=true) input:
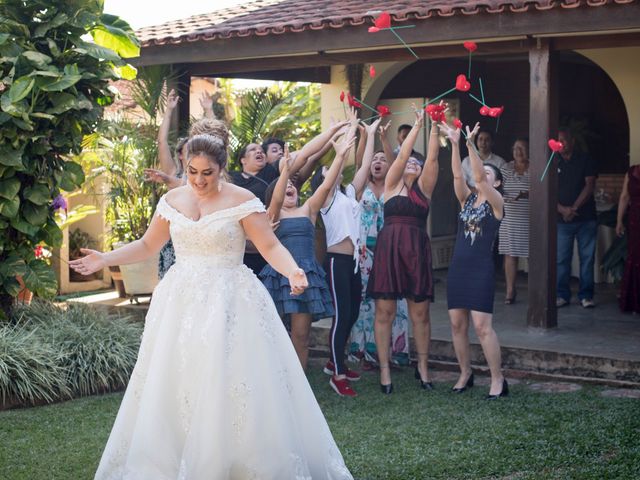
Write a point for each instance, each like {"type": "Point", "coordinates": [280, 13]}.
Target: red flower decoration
{"type": "Point", "coordinates": [470, 46]}
{"type": "Point", "coordinates": [484, 111]}
{"type": "Point", "coordinates": [383, 21]}
{"type": "Point", "coordinates": [353, 102]}
{"type": "Point", "coordinates": [38, 251]}
{"type": "Point", "coordinates": [341, 96]}
{"type": "Point", "coordinates": [457, 123]}
{"type": "Point", "coordinates": [383, 110]}
{"type": "Point", "coordinates": [496, 111]}
{"type": "Point", "coordinates": [555, 145]}
{"type": "Point", "coordinates": [372, 71]}
{"type": "Point", "coordinates": [436, 112]}
{"type": "Point", "coordinates": [462, 84]}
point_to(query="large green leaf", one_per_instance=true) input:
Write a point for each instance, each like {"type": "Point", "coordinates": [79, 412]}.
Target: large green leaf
{"type": "Point", "coordinates": [40, 279]}
{"type": "Point", "coordinates": [43, 28]}
{"type": "Point", "coordinates": [20, 88]}
{"type": "Point", "coordinates": [38, 59]}
{"type": "Point", "coordinates": [4, 37]}
{"type": "Point", "coordinates": [53, 234]}
{"type": "Point", "coordinates": [11, 286]}
{"type": "Point", "coordinates": [98, 52]}
{"type": "Point", "coordinates": [127, 72]}
{"type": "Point", "coordinates": [9, 187]}
{"type": "Point", "coordinates": [72, 176]}
{"type": "Point", "coordinates": [62, 83]}
{"type": "Point", "coordinates": [9, 208]}
{"type": "Point", "coordinates": [117, 35]}
{"type": "Point", "coordinates": [36, 215]}
{"type": "Point", "coordinates": [12, 265]}
{"type": "Point", "coordinates": [14, 109]}
{"type": "Point", "coordinates": [10, 157]}
{"type": "Point", "coordinates": [23, 226]}
{"type": "Point", "coordinates": [38, 194]}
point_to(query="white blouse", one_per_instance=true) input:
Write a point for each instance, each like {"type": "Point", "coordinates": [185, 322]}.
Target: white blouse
{"type": "Point", "coordinates": [342, 220]}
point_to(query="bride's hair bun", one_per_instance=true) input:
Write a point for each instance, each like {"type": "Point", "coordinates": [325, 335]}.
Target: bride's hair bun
{"type": "Point", "coordinates": [208, 146]}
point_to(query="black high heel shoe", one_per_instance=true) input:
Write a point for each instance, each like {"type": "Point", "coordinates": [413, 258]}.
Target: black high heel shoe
{"type": "Point", "coordinates": [423, 385]}
{"type": "Point", "coordinates": [386, 389]}
{"type": "Point", "coordinates": [467, 385]}
{"type": "Point", "coordinates": [503, 393]}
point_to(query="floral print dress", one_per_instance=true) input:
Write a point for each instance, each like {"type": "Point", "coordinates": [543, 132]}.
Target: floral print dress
{"type": "Point", "coordinates": [363, 345]}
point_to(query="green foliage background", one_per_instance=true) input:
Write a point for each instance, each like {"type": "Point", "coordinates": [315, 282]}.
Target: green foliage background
{"type": "Point", "coordinates": [53, 87]}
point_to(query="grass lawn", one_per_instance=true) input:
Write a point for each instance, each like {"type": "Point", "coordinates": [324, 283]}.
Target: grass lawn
{"type": "Point", "coordinates": [411, 434]}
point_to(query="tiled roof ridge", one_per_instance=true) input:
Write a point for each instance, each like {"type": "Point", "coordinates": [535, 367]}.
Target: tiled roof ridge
{"type": "Point", "coordinates": [265, 17]}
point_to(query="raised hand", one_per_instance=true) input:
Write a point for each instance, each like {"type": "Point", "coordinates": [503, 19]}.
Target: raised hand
{"type": "Point", "coordinates": [382, 129]}
{"type": "Point", "coordinates": [206, 102]}
{"type": "Point", "coordinates": [453, 134]}
{"type": "Point", "coordinates": [156, 176]}
{"type": "Point", "coordinates": [92, 262]}
{"type": "Point", "coordinates": [471, 134]}
{"type": "Point", "coordinates": [371, 129]}
{"type": "Point", "coordinates": [172, 100]}
{"type": "Point", "coordinates": [298, 281]}
{"type": "Point", "coordinates": [343, 146]}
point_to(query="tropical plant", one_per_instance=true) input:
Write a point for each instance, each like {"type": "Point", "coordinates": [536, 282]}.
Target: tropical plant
{"type": "Point", "coordinates": [55, 83]}
{"type": "Point", "coordinates": [55, 352]}
{"type": "Point", "coordinates": [285, 110]}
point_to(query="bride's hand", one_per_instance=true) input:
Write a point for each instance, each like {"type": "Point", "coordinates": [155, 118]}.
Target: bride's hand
{"type": "Point", "coordinates": [298, 281]}
{"type": "Point", "coordinates": [92, 262]}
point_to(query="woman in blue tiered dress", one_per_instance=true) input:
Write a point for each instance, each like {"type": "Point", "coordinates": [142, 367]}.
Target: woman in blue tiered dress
{"type": "Point", "coordinates": [471, 277]}
{"type": "Point", "coordinates": [296, 231]}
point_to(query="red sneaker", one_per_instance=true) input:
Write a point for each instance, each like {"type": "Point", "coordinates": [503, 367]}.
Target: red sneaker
{"type": "Point", "coordinates": [342, 387]}
{"type": "Point", "coordinates": [330, 369]}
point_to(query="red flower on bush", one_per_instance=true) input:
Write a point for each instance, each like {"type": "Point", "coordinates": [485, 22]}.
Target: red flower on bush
{"type": "Point", "coordinates": [38, 251]}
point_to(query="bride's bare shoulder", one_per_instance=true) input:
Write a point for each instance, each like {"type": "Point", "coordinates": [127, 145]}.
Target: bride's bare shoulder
{"type": "Point", "coordinates": [237, 195]}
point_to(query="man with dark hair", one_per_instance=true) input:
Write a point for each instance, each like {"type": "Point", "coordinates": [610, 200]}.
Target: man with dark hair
{"type": "Point", "coordinates": [403, 131]}
{"type": "Point", "coordinates": [273, 149]}
{"type": "Point", "coordinates": [576, 219]}
{"type": "Point", "coordinates": [484, 144]}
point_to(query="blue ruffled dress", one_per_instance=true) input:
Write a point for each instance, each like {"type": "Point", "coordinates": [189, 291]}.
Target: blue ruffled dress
{"type": "Point", "coordinates": [297, 234]}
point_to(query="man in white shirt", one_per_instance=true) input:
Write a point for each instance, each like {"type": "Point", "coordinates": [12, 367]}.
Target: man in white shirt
{"type": "Point", "coordinates": [484, 143]}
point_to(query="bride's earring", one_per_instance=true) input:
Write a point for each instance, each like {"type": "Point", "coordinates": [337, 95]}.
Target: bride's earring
{"type": "Point", "coordinates": [219, 183]}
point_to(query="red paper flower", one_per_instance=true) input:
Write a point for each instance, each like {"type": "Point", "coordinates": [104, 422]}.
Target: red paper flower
{"type": "Point", "coordinates": [484, 110]}
{"type": "Point", "coordinates": [372, 71]}
{"type": "Point", "coordinates": [383, 21]}
{"type": "Point", "coordinates": [462, 84]}
{"type": "Point", "coordinates": [436, 112]}
{"type": "Point", "coordinates": [457, 123]}
{"type": "Point", "coordinates": [470, 46]}
{"type": "Point", "coordinates": [496, 111]}
{"type": "Point", "coordinates": [353, 102]}
{"type": "Point", "coordinates": [383, 110]}
{"type": "Point", "coordinates": [555, 145]}
{"type": "Point", "coordinates": [341, 96]}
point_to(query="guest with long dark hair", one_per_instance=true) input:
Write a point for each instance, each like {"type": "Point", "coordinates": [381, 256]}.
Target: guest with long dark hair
{"type": "Point", "coordinates": [471, 277]}
{"type": "Point", "coordinates": [630, 200]}
{"type": "Point", "coordinates": [402, 258]}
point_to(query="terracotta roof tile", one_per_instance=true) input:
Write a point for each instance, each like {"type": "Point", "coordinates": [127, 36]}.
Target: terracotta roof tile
{"type": "Point", "coordinates": [274, 17]}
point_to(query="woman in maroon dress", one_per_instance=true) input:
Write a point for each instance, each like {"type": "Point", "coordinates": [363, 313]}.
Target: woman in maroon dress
{"type": "Point", "coordinates": [630, 198]}
{"type": "Point", "coordinates": [402, 258]}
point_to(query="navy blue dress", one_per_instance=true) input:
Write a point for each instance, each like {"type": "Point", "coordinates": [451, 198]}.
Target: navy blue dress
{"type": "Point", "coordinates": [297, 234]}
{"type": "Point", "coordinates": [471, 277]}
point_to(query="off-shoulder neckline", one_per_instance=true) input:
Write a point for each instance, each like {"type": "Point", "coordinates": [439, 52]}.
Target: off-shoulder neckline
{"type": "Point", "coordinates": [210, 214]}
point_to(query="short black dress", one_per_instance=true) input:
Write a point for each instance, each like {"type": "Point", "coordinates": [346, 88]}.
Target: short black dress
{"type": "Point", "coordinates": [471, 277]}
{"type": "Point", "coordinates": [402, 257]}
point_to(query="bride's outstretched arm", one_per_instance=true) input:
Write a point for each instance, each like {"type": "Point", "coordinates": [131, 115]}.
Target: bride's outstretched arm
{"type": "Point", "coordinates": [259, 231]}
{"type": "Point", "coordinates": [151, 243]}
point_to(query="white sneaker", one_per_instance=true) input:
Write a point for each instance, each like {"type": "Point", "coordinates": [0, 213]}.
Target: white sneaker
{"type": "Point", "coordinates": [587, 303]}
{"type": "Point", "coordinates": [561, 302]}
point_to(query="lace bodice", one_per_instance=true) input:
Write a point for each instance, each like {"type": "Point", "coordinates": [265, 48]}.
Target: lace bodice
{"type": "Point", "coordinates": [215, 239]}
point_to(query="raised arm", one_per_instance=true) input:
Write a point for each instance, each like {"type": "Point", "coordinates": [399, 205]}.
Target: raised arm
{"type": "Point", "coordinates": [301, 157]}
{"type": "Point", "coordinates": [459, 183]}
{"type": "Point", "coordinates": [429, 175]}
{"type": "Point", "coordinates": [165, 158]}
{"type": "Point", "coordinates": [362, 175]}
{"type": "Point", "coordinates": [386, 145]}
{"type": "Point", "coordinates": [362, 145]}
{"type": "Point", "coordinates": [206, 102]}
{"type": "Point", "coordinates": [151, 243]}
{"type": "Point", "coordinates": [396, 170]}
{"type": "Point", "coordinates": [492, 195]}
{"type": "Point", "coordinates": [258, 230]}
{"type": "Point", "coordinates": [280, 189]}
{"type": "Point", "coordinates": [319, 198]}
{"type": "Point", "coordinates": [623, 203]}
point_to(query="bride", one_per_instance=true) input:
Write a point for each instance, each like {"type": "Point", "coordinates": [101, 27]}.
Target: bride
{"type": "Point", "coordinates": [217, 391]}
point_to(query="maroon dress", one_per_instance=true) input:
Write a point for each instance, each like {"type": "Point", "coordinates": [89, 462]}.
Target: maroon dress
{"type": "Point", "coordinates": [402, 258]}
{"type": "Point", "coordinates": [630, 287]}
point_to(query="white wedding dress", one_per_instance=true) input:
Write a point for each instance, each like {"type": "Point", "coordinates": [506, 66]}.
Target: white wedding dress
{"type": "Point", "coordinates": [217, 392]}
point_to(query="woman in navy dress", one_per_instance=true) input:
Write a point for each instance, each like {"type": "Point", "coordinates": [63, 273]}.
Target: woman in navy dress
{"type": "Point", "coordinates": [402, 258]}
{"type": "Point", "coordinates": [471, 277]}
{"type": "Point", "coordinates": [296, 231]}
